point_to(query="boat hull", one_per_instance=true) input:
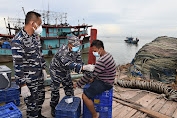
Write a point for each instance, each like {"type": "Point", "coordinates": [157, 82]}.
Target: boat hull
{"type": "Point", "coordinates": [133, 42]}
{"type": "Point", "coordinates": [5, 58]}
{"type": "Point", "coordinates": [6, 54]}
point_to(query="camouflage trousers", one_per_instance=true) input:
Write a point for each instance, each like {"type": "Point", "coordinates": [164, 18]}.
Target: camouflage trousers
{"type": "Point", "coordinates": [55, 86]}
{"type": "Point", "coordinates": [35, 101]}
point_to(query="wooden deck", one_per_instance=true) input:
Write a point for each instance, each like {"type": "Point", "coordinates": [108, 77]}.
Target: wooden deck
{"type": "Point", "coordinates": [150, 103]}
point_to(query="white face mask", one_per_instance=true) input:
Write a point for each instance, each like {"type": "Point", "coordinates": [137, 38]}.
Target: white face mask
{"type": "Point", "coordinates": [38, 30]}
{"type": "Point", "coordinates": [96, 54]}
{"type": "Point", "coordinates": [75, 49]}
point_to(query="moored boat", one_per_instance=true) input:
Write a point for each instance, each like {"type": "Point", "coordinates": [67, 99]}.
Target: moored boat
{"type": "Point", "coordinates": [131, 40]}
{"type": "Point", "coordinates": [52, 36]}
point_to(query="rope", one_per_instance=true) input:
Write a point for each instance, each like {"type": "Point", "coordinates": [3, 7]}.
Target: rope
{"type": "Point", "coordinates": [157, 59]}
{"type": "Point", "coordinates": [158, 87]}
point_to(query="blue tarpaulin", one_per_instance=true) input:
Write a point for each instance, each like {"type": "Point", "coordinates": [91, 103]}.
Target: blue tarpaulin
{"type": "Point", "coordinates": [6, 43]}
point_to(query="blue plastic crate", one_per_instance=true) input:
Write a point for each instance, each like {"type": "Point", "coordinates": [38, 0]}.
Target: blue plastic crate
{"type": "Point", "coordinates": [72, 110]}
{"type": "Point", "coordinates": [11, 94]}
{"type": "Point", "coordinates": [102, 104]}
{"type": "Point", "coordinates": [10, 111]}
{"type": "Point", "coordinates": [104, 111]}
{"type": "Point", "coordinates": [4, 46]}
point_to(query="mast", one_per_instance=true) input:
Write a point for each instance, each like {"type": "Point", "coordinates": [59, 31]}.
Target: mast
{"type": "Point", "coordinates": [48, 14]}
{"type": "Point", "coordinates": [5, 24]}
{"type": "Point", "coordinates": [9, 28]}
{"type": "Point", "coordinates": [23, 11]}
{"type": "Point", "coordinates": [61, 19]}
{"type": "Point", "coordinates": [65, 18]}
{"type": "Point", "coordinates": [83, 21]}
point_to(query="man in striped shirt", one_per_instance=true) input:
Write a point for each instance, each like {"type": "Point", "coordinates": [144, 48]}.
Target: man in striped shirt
{"type": "Point", "coordinates": [103, 76]}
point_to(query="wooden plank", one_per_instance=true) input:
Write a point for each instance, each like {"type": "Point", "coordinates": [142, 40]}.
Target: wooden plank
{"type": "Point", "coordinates": [129, 101]}
{"type": "Point", "coordinates": [138, 96]}
{"type": "Point", "coordinates": [153, 103]}
{"type": "Point", "coordinates": [131, 113]}
{"type": "Point", "coordinates": [137, 114]}
{"type": "Point", "coordinates": [159, 105]}
{"type": "Point", "coordinates": [79, 95]}
{"type": "Point", "coordinates": [172, 109]}
{"type": "Point", "coordinates": [143, 115]}
{"type": "Point", "coordinates": [123, 111]}
{"type": "Point", "coordinates": [147, 99]}
{"type": "Point", "coordinates": [46, 109]}
{"type": "Point", "coordinates": [143, 109]}
{"type": "Point", "coordinates": [114, 104]}
{"type": "Point", "coordinates": [116, 110]}
{"type": "Point", "coordinates": [165, 107]}
{"type": "Point", "coordinates": [78, 91]}
{"type": "Point", "coordinates": [175, 114]}
{"type": "Point", "coordinates": [126, 94]}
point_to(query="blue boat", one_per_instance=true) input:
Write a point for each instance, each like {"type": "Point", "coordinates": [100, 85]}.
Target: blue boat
{"type": "Point", "coordinates": [52, 37]}
{"type": "Point", "coordinates": [131, 40]}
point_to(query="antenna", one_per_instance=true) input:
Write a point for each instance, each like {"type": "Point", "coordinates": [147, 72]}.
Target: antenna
{"type": "Point", "coordinates": [5, 24]}
{"type": "Point", "coordinates": [50, 17]}
{"type": "Point", "coordinates": [48, 13]}
{"type": "Point", "coordinates": [78, 22]}
{"type": "Point", "coordinates": [83, 21]}
{"type": "Point", "coordinates": [17, 22]}
{"type": "Point", "coordinates": [56, 21]}
{"type": "Point", "coordinates": [23, 11]}
{"type": "Point", "coordinates": [48, 5]}
{"type": "Point", "coordinates": [61, 18]}
{"type": "Point", "coordinates": [43, 15]}
{"type": "Point", "coordinates": [65, 18]}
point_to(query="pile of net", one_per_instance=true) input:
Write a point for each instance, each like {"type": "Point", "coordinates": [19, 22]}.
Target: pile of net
{"type": "Point", "coordinates": [156, 60]}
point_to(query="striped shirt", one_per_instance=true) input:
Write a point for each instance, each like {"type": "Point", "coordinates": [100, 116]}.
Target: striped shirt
{"type": "Point", "coordinates": [105, 70]}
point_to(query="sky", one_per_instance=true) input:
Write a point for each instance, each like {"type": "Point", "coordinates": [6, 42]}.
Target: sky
{"type": "Point", "coordinates": [150, 18]}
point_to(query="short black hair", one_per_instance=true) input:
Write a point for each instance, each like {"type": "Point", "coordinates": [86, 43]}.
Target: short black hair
{"type": "Point", "coordinates": [31, 15]}
{"type": "Point", "coordinates": [97, 43]}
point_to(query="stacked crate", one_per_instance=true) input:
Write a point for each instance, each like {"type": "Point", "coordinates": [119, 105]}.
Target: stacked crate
{"type": "Point", "coordinates": [11, 94]}
{"type": "Point", "coordinates": [10, 111]}
{"type": "Point", "coordinates": [69, 110]}
{"type": "Point", "coordinates": [102, 104]}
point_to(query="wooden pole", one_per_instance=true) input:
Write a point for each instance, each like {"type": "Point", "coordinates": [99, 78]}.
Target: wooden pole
{"type": "Point", "coordinates": [150, 112]}
{"type": "Point", "coordinates": [125, 100]}
{"type": "Point", "coordinates": [92, 58]}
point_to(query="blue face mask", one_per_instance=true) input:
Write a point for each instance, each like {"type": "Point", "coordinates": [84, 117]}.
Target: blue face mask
{"type": "Point", "coordinates": [96, 54]}
{"type": "Point", "coordinates": [75, 49]}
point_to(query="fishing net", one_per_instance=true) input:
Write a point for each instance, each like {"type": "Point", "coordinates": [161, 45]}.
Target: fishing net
{"type": "Point", "coordinates": [156, 60]}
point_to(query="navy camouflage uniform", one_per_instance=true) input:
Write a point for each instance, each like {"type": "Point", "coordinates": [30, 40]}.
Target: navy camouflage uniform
{"type": "Point", "coordinates": [28, 64]}
{"type": "Point", "coordinates": [60, 66]}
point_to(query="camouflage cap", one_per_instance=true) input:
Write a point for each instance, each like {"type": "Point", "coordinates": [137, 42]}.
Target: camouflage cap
{"type": "Point", "coordinates": [74, 40]}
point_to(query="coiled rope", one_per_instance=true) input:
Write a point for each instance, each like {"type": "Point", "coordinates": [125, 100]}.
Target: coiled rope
{"type": "Point", "coordinates": [158, 87]}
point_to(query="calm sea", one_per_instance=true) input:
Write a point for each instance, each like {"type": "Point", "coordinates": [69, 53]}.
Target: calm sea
{"type": "Point", "coordinates": [122, 52]}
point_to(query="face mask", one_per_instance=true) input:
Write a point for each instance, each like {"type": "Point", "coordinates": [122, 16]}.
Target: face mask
{"type": "Point", "coordinates": [75, 49]}
{"type": "Point", "coordinates": [38, 30]}
{"type": "Point", "coordinates": [96, 54]}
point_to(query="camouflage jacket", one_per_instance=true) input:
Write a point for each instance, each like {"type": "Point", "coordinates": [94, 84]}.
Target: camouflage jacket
{"type": "Point", "coordinates": [65, 60]}
{"type": "Point", "coordinates": [27, 55]}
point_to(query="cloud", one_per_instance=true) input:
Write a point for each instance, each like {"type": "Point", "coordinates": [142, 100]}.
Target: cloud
{"type": "Point", "coordinates": [113, 17]}
{"type": "Point", "coordinates": [107, 29]}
